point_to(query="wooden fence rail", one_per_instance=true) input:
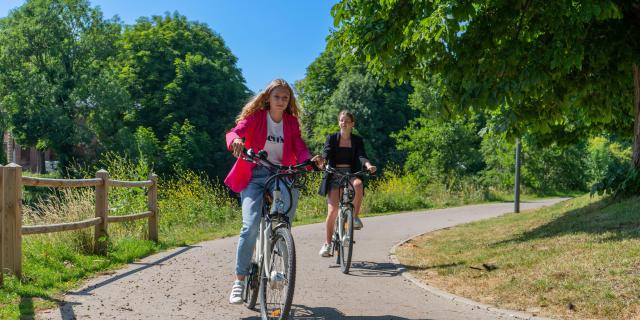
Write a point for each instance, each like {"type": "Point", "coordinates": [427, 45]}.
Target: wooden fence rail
{"type": "Point", "coordinates": [12, 230]}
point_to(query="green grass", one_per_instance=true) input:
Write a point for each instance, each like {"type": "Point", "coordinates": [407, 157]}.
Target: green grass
{"type": "Point", "coordinates": [583, 252]}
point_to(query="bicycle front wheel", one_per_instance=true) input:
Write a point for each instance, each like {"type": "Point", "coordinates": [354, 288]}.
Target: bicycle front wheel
{"type": "Point", "coordinates": [276, 288]}
{"type": "Point", "coordinates": [346, 243]}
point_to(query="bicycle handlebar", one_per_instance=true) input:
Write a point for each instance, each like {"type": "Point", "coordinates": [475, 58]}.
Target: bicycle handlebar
{"type": "Point", "coordinates": [359, 174]}
{"type": "Point", "coordinates": [260, 159]}
{"type": "Point", "coordinates": [279, 171]}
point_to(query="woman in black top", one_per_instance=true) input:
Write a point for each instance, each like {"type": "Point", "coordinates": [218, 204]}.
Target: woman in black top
{"type": "Point", "coordinates": [345, 152]}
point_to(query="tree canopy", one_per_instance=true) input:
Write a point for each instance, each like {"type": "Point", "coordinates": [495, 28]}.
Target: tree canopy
{"type": "Point", "coordinates": [53, 55]}
{"type": "Point", "coordinates": [182, 78]}
{"type": "Point", "coordinates": [558, 69]}
{"type": "Point", "coordinates": [81, 85]}
{"type": "Point", "coordinates": [379, 109]}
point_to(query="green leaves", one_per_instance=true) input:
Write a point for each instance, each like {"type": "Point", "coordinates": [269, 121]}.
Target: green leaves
{"type": "Point", "coordinates": [560, 57]}
{"type": "Point", "coordinates": [379, 109]}
{"type": "Point", "coordinates": [184, 81]}
{"type": "Point", "coordinates": [441, 151]}
{"type": "Point", "coordinates": [73, 81]}
{"type": "Point", "coordinates": [53, 53]}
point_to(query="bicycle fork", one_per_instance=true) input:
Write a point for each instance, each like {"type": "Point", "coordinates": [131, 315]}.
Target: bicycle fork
{"type": "Point", "coordinates": [264, 242]}
{"type": "Point", "coordinates": [266, 237]}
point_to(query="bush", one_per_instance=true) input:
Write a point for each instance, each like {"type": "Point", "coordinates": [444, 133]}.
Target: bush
{"type": "Point", "coordinates": [610, 167]}
{"type": "Point", "coordinates": [609, 162]}
{"type": "Point", "coordinates": [441, 152]}
{"type": "Point", "coordinates": [395, 192]}
{"type": "Point", "coordinates": [544, 169]}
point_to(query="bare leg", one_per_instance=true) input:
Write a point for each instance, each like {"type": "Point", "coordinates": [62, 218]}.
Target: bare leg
{"type": "Point", "coordinates": [357, 201]}
{"type": "Point", "coordinates": [332, 212]}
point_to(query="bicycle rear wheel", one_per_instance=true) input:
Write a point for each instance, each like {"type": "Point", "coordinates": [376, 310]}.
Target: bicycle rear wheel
{"type": "Point", "coordinates": [276, 289]}
{"type": "Point", "coordinates": [346, 243]}
{"type": "Point", "coordinates": [252, 285]}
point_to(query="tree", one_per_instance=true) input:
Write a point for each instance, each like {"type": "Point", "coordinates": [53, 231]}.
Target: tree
{"type": "Point", "coordinates": [557, 70]}
{"type": "Point", "coordinates": [186, 147]}
{"type": "Point", "coordinates": [554, 168]}
{"type": "Point", "coordinates": [379, 109]}
{"type": "Point", "coordinates": [440, 150]}
{"type": "Point", "coordinates": [53, 57]}
{"type": "Point", "coordinates": [180, 72]}
{"type": "Point", "coordinates": [321, 80]}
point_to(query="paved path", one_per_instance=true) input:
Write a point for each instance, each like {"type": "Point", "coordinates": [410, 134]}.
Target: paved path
{"type": "Point", "coordinates": [193, 282]}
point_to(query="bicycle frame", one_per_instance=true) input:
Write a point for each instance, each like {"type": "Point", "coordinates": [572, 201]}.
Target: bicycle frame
{"type": "Point", "coordinates": [276, 214]}
{"type": "Point", "coordinates": [347, 188]}
{"type": "Point", "coordinates": [345, 215]}
{"type": "Point", "coordinates": [272, 220]}
{"type": "Point", "coordinates": [267, 220]}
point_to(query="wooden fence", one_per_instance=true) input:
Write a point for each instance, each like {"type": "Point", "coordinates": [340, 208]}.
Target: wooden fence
{"type": "Point", "coordinates": [12, 230]}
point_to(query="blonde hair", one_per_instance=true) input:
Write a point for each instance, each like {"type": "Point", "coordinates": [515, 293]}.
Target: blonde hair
{"type": "Point", "coordinates": [261, 101]}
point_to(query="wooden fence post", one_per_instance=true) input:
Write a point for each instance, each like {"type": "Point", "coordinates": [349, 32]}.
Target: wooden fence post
{"type": "Point", "coordinates": [1, 227]}
{"type": "Point", "coordinates": [12, 209]}
{"type": "Point", "coordinates": [102, 210]}
{"type": "Point", "coordinates": [153, 207]}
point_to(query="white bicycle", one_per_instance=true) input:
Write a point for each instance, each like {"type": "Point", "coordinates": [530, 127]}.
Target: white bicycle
{"type": "Point", "coordinates": [343, 236]}
{"type": "Point", "coordinates": [272, 275]}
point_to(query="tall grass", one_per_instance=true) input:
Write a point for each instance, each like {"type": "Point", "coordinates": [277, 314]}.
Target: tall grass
{"type": "Point", "coordinates": [395, 192]}
{"type": "Point", "coordinates": [194, 208]}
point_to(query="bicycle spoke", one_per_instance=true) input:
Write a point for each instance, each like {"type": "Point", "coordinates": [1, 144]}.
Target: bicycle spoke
{"type": "Point", "coordinates": [346, 248]}
{"type": "Point", "coordinates": [278, 285]}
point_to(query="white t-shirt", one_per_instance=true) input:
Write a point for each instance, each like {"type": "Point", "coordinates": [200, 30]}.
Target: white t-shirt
{"type": "Point", "coordinates": [275, 140]}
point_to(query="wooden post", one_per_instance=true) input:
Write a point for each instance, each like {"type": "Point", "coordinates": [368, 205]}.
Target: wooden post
{"type": "Point", "coordinates": [12, 210]}
{"type": "Point", "coordinates": [102, 209]}
{"type": "Point", "coordinates": [153, 207]}
{"type": "Point", "coordinates": [1, 227]}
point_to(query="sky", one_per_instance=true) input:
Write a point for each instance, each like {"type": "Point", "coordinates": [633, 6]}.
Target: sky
{"type": "Point", "coordinates": [271, 39]}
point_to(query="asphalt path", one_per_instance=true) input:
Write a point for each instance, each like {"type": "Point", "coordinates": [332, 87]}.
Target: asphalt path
{"type": "Point", "coordinates": [194, 282]}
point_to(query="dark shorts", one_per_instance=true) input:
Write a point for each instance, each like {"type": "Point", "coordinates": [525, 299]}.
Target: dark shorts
{"type": "Point", "coordinates": [334, 182]}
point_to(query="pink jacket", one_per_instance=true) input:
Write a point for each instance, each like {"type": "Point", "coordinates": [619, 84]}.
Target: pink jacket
{"type": "Point", "coordinates": [254, 130]}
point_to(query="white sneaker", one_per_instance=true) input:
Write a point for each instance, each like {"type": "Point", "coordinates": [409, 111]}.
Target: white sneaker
{"type": "Point", "coordinates": [325, 251]}
{"type": "Point", "coordinates": [357, 223]}
{"type": "Point", "coordinates": [236, 292]}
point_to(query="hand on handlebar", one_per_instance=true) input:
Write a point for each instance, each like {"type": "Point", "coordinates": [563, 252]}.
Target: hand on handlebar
{"type": "Point", "coordinates": [371, 168]}
{"type": "Point", "coordinates": [236, 147]}
{"type": "Point", "coordinates": [318, 161]}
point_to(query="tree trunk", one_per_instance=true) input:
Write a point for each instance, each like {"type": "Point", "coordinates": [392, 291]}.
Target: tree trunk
{"type": "Point", "coordinates": [41, 167]}
{"type": "Point", "coordinates": [636, 125]}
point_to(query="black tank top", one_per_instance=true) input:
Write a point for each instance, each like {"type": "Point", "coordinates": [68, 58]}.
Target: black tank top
{"type": "Point", "coordinates": [343, 156]}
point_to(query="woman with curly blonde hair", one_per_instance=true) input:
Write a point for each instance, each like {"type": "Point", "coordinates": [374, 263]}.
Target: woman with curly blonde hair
{"type": "Point", "coordinates": [267, 122]}
{"type": "Point", "coordinates": [261, 100]}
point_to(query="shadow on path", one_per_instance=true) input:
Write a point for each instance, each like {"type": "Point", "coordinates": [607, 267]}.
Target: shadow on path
{"type": "Point", "coordinates": [613, 220]}
{"type": "Point", "coordinates": [27, 310]}
{"type": "Point", "coordinates": [374, 269]}
{"type": "Point", "coordinates": [143, 266]}
{"type": "Point", "coordinates": [66, 308]}
{"type": "Point", "coordinates": [300, 312]}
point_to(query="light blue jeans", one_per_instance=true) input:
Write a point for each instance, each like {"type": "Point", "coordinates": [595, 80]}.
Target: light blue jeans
{"type": "Point", "coordinates": [251, 198]}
